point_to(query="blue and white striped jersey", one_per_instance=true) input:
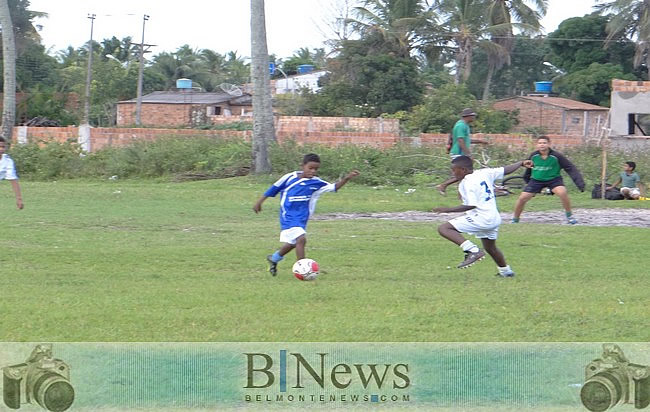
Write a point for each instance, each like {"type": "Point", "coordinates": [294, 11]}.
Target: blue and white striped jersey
{"type": "Point", "coordinates": [299, 197]}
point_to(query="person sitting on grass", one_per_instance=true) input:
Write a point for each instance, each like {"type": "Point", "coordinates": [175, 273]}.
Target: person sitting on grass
{"type": "Point", "coordinates": [631, 186]}
{"type": "Point", "coordinates": [300, 191]}
{"type": "Point", "coordinates": [547, 164]}
{"type": "Point", "coordinates": [8, 172]}
{"type": "Point", "coordinates": [481, 218]}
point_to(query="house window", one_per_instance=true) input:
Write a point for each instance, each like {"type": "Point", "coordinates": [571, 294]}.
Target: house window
{"type": "Point", "coordinates": [638, 124]}
{"type": "Point", "coordinates": [214, 110]}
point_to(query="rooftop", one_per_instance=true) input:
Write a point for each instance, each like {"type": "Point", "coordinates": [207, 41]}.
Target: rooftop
{"type": "Point", "coordinates": [560, 102]}
{"type": "Point", "coordinates": [191, 97]}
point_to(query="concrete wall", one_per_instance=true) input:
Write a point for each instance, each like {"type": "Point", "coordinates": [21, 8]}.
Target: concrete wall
{"type": "Point", "coordinates": [627, 97]}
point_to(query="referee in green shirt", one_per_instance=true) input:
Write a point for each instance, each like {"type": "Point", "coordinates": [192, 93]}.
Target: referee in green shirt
{"type": "Point", "coordinates": [545, 172]}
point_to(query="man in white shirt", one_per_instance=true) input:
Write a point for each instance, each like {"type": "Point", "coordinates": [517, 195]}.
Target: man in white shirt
{"type": "Point", "coordinates": [8, 172]}
{"type": "Point", "coordinates": [481, 217]}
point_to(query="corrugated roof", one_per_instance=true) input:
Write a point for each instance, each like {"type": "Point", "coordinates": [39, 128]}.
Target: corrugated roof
{"type": "Point", "coordinates": [177, 97]}
{"type": "Point", "coordinates": [560, 102]}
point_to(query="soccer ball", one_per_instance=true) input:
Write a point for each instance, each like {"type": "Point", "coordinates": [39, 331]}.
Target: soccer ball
{"type": "Point", "coordinates": [305, 269]}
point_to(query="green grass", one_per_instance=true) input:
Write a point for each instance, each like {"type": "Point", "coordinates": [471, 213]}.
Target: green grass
{"type": "Point", "coordinates": [158, 261]}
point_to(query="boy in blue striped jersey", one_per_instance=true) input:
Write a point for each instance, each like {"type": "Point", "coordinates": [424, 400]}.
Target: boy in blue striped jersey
{"type": "Point", "coordinates": [299, 191]}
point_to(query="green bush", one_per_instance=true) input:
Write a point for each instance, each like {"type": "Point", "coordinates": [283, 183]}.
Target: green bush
{"type": "Point", "coordinates": [49, 160]}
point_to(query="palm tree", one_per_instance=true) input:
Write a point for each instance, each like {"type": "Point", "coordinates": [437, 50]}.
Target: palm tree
{"type": "Point", "coordinates": [238, 70]}
{"type": "Point", "coordinates": [263, 128]}
{"type": "Point", "coordinates": [9, 72]}
{"type": "Point", "coordinates": [25, 32]}
{"type": "Point", "coordinates": [486, 24]}
{"type": "Point", "coordinates": [465, 25]}
{"type": "Point", "coordinates": [632, 19]}
{"type": "Point", "coordinates": [398, 22]}
{"type": "Point", "coordinates": [501, 14]}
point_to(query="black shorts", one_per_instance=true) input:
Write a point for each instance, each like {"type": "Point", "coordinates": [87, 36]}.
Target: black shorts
{"type": "Point", "coordinates": [536, 186]}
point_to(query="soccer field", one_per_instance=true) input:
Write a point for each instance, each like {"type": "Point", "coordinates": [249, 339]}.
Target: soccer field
{"type": "Point", "coordinates": [159, 261]}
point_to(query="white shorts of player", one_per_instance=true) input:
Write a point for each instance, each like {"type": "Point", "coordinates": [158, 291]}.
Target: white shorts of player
{"type": "Point", "coordinates": [467, 224]}
{"type": "Point", "coordinates": [633, 191]}
{"type": "Point", "coordinates": [290, 235]}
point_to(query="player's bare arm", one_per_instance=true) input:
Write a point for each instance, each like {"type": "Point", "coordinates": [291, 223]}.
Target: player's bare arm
{"type": "Point", "coordinates": [19, 198]}
{"type": "Point", "coordinates": [257, 207]}
{"type": "Point", "coordinates": [464, 148]}
{"type": "Point", "coordinates": [511, 168]}
{"type": "Point", "coordinates": [618, 181]}
{"type": "Point", "coordinates": [346, 179]}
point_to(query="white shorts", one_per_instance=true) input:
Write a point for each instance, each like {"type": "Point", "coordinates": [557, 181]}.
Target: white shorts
{"type": "Point", "coordinates": [466, 224]}
{"type": "Point", "coordinates": [290, 235]}
{"type": "Point", "coordinates": [633, 191]}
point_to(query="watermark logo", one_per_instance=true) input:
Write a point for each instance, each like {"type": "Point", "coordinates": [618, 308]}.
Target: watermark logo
{"type": "Point", "coordinates": [41, 379]}
{"type": "Point", "coordinates": [316, 377]}
{"type": "Point", "coordinates": [612, 380]}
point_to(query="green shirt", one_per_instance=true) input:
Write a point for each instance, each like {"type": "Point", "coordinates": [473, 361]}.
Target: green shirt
{"type": "Point", "coordinates": [545, 169]}
{"type": "Point", "coordinates": [461, 130]}
{"type": "Point", "coordinates": [629, 180]}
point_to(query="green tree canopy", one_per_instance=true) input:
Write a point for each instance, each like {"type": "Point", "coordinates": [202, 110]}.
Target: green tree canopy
{"type": "Point", "coordinates": [593, 84]}
{"type": "Point", "coordinates": [580, 41]}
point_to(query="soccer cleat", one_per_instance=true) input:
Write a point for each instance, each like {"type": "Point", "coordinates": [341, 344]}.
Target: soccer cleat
{"type": "Point", "coordinates": [515, 220]}
{"type": "Point", "coordinates": [471, 258]}
{"type": "Point", "coordinates": [508, 274]}
{"type": "Point", "coordinates": [273, 266]}
{"type": "Point", "coordinates": [571, 220]}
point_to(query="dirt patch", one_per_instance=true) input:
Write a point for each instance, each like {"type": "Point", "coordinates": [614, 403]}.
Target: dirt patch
{"type": "Point", "coordinates": [586, 217]}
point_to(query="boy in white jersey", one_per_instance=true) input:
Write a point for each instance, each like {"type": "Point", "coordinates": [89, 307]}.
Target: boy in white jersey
{"type": "Point", "coordinates": [300, 191]}
{"type": "Point", "coordinates": [8, 172]}
{"type": "Point", "coordinates": [481, 218]}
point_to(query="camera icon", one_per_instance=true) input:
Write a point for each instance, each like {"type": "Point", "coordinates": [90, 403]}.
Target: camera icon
{"type": "Point", "coordinates": [612, 380]}
{"type": "Point", "coordinates": [41, 379]}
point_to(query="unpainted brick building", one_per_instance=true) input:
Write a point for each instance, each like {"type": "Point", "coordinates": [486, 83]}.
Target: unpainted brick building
{"type": "Point", "coordinates": [183, 108]}
{"type": "Point", "coordinates": [555, 115]}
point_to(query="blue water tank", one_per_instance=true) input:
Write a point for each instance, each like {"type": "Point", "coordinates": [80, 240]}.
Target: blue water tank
{"type": "Point", "coordinates": [543, 87]}
{"type": "Point", "coordinates": [183, 84]}
{"type": "Point", "coordinates": [305, 68]}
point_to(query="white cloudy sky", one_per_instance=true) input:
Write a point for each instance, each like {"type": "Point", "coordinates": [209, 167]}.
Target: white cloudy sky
{"type": "Point", "coordinates": [220, 25]}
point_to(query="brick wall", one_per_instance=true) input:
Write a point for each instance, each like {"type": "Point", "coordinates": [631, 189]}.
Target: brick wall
{"type": "Point", "coordinates": [533, 114]}
{"type": "Point", "coordinates": [157, 114]}
{"type": "Point", "coordinates": [552, 119]}
{"type": "Point", "coordinates": [511, 141]}
{"type": "Point", "coordinates": [105, 136]}
{"type": "Point", "coordinates": [293, 124]}
{"type": "Point", "coordinates": [630, 86]}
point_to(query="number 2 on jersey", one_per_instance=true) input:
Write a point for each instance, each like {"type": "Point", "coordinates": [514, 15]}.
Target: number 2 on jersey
{"type": "Point", "coordinates": [487, 190]}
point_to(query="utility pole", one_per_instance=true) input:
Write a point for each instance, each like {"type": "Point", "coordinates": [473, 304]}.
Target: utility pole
{"type": "Point", "coordinates": [86, 118]}
{"type": "Point", "coordinates": [138, 104]}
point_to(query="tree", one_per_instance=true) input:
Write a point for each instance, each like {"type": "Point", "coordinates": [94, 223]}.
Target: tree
{"type": "Point", "coordinates": [578, 42]}
{"type": "Point", "coordinates": [9, 71]}
{"type": "Point", "coordinates": [25, 34]}
{"type": "Point", "coordinates": [631, 18]}
{"type": "Point", "coordinates": [263, 128]}
{"type": "Point", "coordinates": [441, 109]}
{"type": "Point", "coordinates": [501, 15]}
{"type": "Point", "coordinates": [365, 83]}
{"type": "Point", "coordinates": [466, 27]}
{"type": "Point", "coordinates": [398, 23]}
{"type": "Point", "coordinates": [526, 68]}
{"type": "Point", "coordinates": [592, 85]}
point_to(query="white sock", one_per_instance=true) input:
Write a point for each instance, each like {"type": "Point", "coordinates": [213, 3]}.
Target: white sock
{"type": "Point", "coordinates": [504, 270]}
{"type": "Point", "coordinates": [468, 246]}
